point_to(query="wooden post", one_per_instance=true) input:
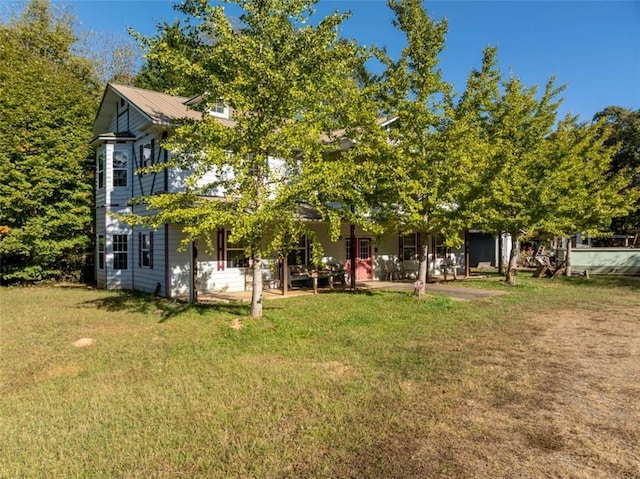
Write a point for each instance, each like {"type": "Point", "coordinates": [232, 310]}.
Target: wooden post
{"type": "Point", "coordinates": [500, 253]}
{"type": "Point", "coordinates": [353, 257]}
{"type": "Point", "coordinates": [467, 255]}
{"type": "Point", "coordinates": [314, 276]}
{"type": "Point", "coordinates": [285, 275]}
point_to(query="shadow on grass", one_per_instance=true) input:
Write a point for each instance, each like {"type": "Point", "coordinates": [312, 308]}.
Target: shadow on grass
{"type": "Point", "coordinates": [137, 302]}
{"type": "Point", "coordinates": [608, 281]}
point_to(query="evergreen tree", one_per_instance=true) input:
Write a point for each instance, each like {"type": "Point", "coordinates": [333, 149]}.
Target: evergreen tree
{"type": "Point", "coordinates": [47, 99]}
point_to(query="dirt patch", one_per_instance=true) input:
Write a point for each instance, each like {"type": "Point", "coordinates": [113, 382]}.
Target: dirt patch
{"type": "Point", "coordinates": [559, 398]}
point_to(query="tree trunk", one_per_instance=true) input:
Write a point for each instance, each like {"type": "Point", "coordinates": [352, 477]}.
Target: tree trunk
{"type": "Point", "coordinates": [423, 267]}
{"type": "Point", "coordinates": [513, 259]}
{"type": "Point", "coordinates": [256, 291]}
{"type": "Point", "coordinates": [567, 258]}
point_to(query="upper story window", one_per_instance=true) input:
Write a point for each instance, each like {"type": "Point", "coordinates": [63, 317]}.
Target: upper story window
{"type": "Point", "coordinates": [120, 168]}
{"type": "Point", "coordinates": [219, 109]}
{"type": "Point", "coordinates": [101, 170]}
{"type": "Point", "coordinates": [147, 153]}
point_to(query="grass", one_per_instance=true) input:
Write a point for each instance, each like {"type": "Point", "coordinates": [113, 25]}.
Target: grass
{"type": "Point", "coordinates": [333, 385]}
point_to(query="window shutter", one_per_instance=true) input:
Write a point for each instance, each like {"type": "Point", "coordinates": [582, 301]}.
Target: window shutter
{"type": "Point", "coordinates": [151, 249]}
{"type": "Point", "coordinates": [153, 149]}
{"type": "Point", "coordinates": [400, 248]}
{"type": "Point", "coordinates": [141, 157]}
{"type": "Point", "coordinates": [140, 250]}
{"type": "Point", "coordinates": [418, 246]}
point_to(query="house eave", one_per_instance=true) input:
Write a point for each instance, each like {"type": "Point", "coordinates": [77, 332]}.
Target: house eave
{"type": "Point", "coordinates": [125, 136]}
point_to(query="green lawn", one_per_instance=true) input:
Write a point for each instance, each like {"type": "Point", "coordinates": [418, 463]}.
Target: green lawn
{"type": "Point", "coordinates": [333, 385]}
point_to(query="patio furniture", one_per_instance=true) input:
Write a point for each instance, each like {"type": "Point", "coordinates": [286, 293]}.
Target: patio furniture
{"type": "Point", "coordinates": [391, 270]}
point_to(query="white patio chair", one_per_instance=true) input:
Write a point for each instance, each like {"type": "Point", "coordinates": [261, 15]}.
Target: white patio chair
{"type": "Point", "coordinates": [391, 270]}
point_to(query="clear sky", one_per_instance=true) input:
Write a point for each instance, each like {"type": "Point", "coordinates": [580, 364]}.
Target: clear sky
{"type": "Point", "coordinates": [592, 46]}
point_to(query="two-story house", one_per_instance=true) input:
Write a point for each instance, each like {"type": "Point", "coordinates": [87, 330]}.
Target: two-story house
{"type": "Point", "coordinates": [129, 128]}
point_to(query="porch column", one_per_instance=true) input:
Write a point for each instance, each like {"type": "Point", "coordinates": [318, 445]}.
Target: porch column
{"type": "Point", "coordinates": [467, 255]}
{"type": "Point", "coordinates": [353, 256]}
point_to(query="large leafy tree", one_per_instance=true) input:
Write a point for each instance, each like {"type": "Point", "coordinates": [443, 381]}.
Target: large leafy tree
{"type": "Point", "coordinates": [516, 122]}
{"type": "Point", "coordinates": [537, 175]}
{"type": "Point", "coordinates": [47, 96]}
{"type": "Point", "coordinates": [581, 192]}
{"type": "Point", "coordinates": [296, 90]}
{"type": "Point", "coordinates": [155, 74]}
{"type": "Point", "coordinates": [428, 172]}
{"type": "Point", "coordinates": [623, 134]}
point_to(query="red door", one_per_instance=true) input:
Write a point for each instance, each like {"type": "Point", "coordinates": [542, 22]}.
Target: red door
{"type": "Point", "coordinates": [364, 260]}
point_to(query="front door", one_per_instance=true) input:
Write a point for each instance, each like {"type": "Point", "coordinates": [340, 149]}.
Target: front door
{"type": "Point", "coordinates": [363, 261]}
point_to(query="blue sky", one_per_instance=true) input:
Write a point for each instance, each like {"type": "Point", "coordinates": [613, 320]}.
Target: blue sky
{"type": "Point", "coordinates": [592, 46]}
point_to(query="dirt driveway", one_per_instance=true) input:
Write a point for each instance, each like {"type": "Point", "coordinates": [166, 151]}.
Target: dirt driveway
{"type": "Point", "coordinates": [560, 399]}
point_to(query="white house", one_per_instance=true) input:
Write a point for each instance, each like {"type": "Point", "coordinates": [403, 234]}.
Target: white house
{"type": "Point", "coordinates": [128, 129]}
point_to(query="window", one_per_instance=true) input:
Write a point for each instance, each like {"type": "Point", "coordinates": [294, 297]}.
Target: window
{"type": "Point", "coordinates": [100, 251]}
{"type": "Point", "coordinates": [236, 257]}
{"type": "Point", "coordinates": [146, 250]}
{"type": "Point", "coordinates": [101, 170]}
{"type": "Point", "coordinates": [410, 247]}
{"type": "Point", "coordinates": [299, 255]}
{"type": "Point", "coordinates": [219, 109]}
{"type": "Point", "coordinates": [347, 245]}
{"type": "Point", "coordinates": [146, 154]}
{"type": "Point", "coordinates": [120, 252]}
{"type": "Point", "coordinates": [120, 168]}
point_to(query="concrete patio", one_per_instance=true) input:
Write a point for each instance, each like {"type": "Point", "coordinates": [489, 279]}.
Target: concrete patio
{"type": "Point", "coordinates": [453, 289]}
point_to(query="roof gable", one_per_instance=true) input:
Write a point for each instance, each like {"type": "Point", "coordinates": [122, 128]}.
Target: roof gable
{"type": "Point", "coordinates": [158, 108]}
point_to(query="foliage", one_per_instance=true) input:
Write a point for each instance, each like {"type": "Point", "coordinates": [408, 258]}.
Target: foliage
{"type": "Point", "coordinates": [47, 99]}
{"type": "Point", "coordinates": [427, 172]}
{"type": "Point", "coordinates": [536, 175]}
{"type": "Point", "coordinates": [582, 194]}
{"type": "Point", "coordinates": [294, 90]}
{"type": "Point", "coordinates": [624, 135]}
{"type": "Point", "coordinates": [158, 75]}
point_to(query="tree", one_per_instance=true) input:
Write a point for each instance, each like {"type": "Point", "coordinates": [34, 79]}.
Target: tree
{"type": "Point", "coordinates": [159, 75]}
{"type": "Point", "coordinates": [295, 92]}
{"type": "Point", "coordinates": [582, 193]}
{"type": "Point", "coordinates": [624, 135]}
{"type": "Point", "coordinates": [427, 172]}
{"type": "Point", "coordinates": [537, 175]}
{"type": "Point", "coordinates": [47, 96]}
{"type": "Point", "coordinates": [514, 172]}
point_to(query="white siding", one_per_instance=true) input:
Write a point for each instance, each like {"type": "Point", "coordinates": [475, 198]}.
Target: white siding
{"type": "Point", "coordinates": [179, 261]}
{"type": "Point", "coordinates": [211, 279]}
{"type": "Point", "coordinates": [147, 278]}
